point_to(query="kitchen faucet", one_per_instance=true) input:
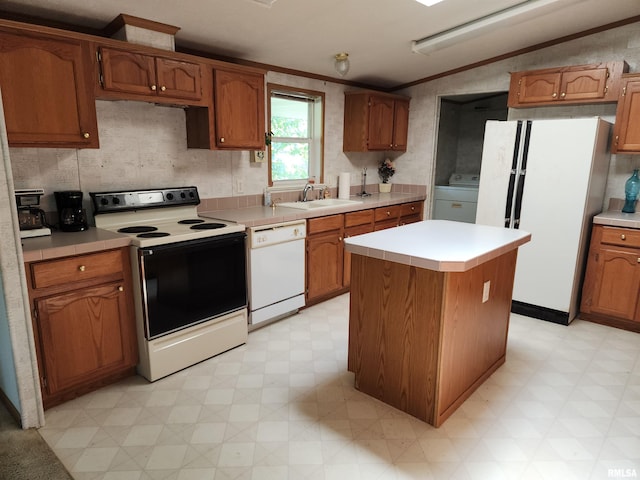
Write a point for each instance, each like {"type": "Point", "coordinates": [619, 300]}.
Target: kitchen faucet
{"type": "Point", "coordinates": [305, 191]}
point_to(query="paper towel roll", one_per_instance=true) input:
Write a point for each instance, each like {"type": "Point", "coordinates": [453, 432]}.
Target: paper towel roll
{"type": "Point", "coordinates": [344, 185]}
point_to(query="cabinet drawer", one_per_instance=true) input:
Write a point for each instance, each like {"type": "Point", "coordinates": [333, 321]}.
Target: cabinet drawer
{"type": "Point", "coordinates": [385, 213]}
{"type": "Point", "coordinates": [324, 224]}
{"type": "Point", "coordinates": [623, 237]}
{"type": "Point", "coordinates": [361, 217]}
{"type": "Point", "coordinates": [75, 269]}
{"type": "Point", "coordinates": [413, 208]}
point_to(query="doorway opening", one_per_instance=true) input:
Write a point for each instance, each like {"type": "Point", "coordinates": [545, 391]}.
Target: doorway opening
{"type": "Point", "coordinates": [459, 151]}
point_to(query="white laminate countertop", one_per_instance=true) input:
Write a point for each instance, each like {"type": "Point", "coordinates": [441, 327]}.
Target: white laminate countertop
{"type": "Point", "coordinates": [439, 245]}
{"type": "Point", "coordinates": [615, 218]}
{"type": "Point", "coordinates": [62, 244]}
{"type": "Point", "coordinates": [259, 215]}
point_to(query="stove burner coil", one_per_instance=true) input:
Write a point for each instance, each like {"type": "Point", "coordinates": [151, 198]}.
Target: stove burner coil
{"type": "Point", "coordinates": [137, 229]}
{"type": "Point", "coordinates": [190, 221]}
{"type": "Point", "coordinates": [207, 226]}
{"type": "Point", "coordinates": [153, 235]}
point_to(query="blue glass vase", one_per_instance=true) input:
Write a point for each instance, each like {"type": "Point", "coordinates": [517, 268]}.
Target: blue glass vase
{"type": "Point", "coordinates": [631, 190]}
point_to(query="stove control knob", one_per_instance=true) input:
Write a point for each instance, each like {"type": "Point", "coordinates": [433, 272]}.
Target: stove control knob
{"type": "Point", "coordinates": [169, 196]}
{"type": "Point", "coordinates": [104, 201]}
{"type": "Point", "coordinates": [116, 201]}
{"type": "Point", "coordinates": [182, 195]}
{"type": "Point", "coordinates": [191, 194]}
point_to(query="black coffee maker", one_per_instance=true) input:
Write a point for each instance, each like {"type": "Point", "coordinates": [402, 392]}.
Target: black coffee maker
{"type": "Point", "coordinates": [73, 218]}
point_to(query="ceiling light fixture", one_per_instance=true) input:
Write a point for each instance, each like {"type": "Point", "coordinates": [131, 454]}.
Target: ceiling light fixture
{"type": "Point", "coordinates": [428, 3]}
{"type": "Point", "coordinates": [517, 13]}
{"type": "Point", "coordinates": [342, 63]}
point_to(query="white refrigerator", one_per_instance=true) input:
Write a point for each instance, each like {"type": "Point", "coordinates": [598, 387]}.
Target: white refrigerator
{"type": "Point", "coordinates": [546, 177]}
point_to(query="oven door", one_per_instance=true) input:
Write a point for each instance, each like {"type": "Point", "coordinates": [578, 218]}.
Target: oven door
{"type": "Point", "coordinates": [190, 282]}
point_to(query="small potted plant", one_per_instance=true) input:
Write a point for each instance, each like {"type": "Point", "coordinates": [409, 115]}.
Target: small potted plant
{"type": "Point", "coordinates": [386, 169]}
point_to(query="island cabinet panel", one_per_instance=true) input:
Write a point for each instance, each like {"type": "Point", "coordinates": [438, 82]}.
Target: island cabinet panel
{"type": "Point", "coordinates": [474, 336]}
{"type": "Point", "coordinates": [396, 361]}
{"type": "Point", "coordinates": [424, 340]}
{"type": "Point", "coordinates": [611, 288]}
{"type": "Point", "coordinates": [83, 322]}
{"type": "Point", "coordinates": [46, 91]}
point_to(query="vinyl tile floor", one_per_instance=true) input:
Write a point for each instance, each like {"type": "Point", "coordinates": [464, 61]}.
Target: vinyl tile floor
{"type": "Point", "coordinates": [565, 405]}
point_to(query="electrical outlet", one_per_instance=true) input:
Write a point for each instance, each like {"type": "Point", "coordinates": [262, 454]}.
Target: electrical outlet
{"type": "Point", "coordinates": [485, 291]}
{"type": "Point", "coordinates": [239, 185]}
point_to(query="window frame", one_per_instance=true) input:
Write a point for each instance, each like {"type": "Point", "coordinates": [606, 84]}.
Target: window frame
{"type": "Point", "coordinates": [317, 139]}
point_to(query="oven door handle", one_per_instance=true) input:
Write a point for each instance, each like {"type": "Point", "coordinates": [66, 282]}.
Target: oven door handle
{"type": "Point", "coordinates": [194, 244]}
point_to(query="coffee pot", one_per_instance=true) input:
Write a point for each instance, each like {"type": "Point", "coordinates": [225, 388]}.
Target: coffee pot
{"type": "Point", "coordinates": [72, 217]}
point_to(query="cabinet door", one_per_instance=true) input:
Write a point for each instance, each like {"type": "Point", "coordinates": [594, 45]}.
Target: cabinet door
{"type": "Point", "coordinates": [324, 264]}
{"type": "Point", "coordinates": [627, 127]}
{"type": "Point", "coordinates": [400, 125]}
{"type": "Point", "coordinates": [239, 109]}
{"type": "Point", "coordinates": [584, 85]}
{"type": "Point", "coordinates": [45, 90]}
{"type": "Point", "coordinates": [84, 334]}
{"type": "Point", "coordinates": [541, 87]}
{"type": "Point", "coordinates": [381, 123]}
{"type": "Point", "coordinates": [616, 283]}
{"type": "Point", "coordinates": [128, 72]}
{"type": "Point", "coordinates": [178, 79]}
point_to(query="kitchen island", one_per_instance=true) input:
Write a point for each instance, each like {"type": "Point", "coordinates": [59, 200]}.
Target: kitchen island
{"type": "Point", "coordinates": [429, 312]}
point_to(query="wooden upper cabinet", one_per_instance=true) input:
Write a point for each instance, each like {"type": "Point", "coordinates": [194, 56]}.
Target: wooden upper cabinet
{"type": "Point", "coordinates": [567, 85]}
{"type": "Point", "coordinates": [238, 106]}
{"type": "Point", "coordinates": [154, 77]}
{"type": "Point", "coordinates": [626, 133]}
{"type": "Point", "coordinates": [375, 122]}
{"type": "Point", "coordinates": [46, 91]}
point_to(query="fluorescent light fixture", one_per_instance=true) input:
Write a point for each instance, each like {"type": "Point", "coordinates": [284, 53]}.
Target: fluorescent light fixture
{"type": "Point", "coordinates": [429, 3]}
{"type": "Point", "coordinates": [517, 13]}
{"type": "Point", "coordinates": [266, 3]}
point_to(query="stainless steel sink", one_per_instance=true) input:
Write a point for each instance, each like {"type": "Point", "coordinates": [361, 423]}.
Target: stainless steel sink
{"type": "Point", "coordinates": [318, 204]}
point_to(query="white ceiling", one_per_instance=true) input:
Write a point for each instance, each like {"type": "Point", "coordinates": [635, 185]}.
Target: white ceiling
{"type": "Point", "coordinates": [305, 35]}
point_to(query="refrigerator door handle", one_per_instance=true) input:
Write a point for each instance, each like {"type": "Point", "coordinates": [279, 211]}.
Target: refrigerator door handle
{"type": "Point", "coordinates": [512, 176]}
{"type": "Point", "coordinates": [521, 177]}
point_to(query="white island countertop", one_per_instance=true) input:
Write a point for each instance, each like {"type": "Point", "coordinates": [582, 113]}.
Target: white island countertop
{"type": "Point", "coordinates": [439, 245]}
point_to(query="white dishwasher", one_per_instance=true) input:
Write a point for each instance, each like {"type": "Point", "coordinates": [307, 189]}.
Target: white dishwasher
{"type": "Point", "coordinates": [276, 271]}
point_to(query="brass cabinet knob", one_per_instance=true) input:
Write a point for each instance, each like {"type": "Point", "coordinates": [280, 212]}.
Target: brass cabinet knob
{"type": "Point", "coordinates": [153, 88]}
{"type": "Point", "coordinates": [86, 135]}
{"type": "Point", "coordinates": [82, 268]}
{"type": "Point", "coordinates": [339, 239]}
{"type": "Point", "coordinates": [221, 139]}
{"type": "Point", "coordinates": [623, 237]}
{"type": "Point", "coordinates": [413, 208]}
{"type": "Point", "coordinates": [163, 88]}
{"type": "Point", "coordinates": [120, 288]}
{"type": "Point", "coordinates": [555, 95]}
{"type": "Point", "coordinates": [388, 213]}
{"type": "Point", "coordinates": [563, 94]}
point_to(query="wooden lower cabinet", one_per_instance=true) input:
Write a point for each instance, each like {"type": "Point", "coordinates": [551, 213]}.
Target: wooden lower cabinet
{"type": "Point", "coordinates": [83, 322]}
{"type": "Point", "coordinates": [612, 280]}
{"type": "Point", "coordinates": [328, 264]}
{"type": "Point", "coordinates": [324, 256]}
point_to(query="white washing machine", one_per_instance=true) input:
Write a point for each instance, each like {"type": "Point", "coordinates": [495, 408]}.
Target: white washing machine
{"type": "Point", "coordinates": [458, 200]}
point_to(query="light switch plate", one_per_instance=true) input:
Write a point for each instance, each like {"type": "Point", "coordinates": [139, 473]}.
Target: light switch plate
{"type": "Point", "coordinates": [258, 156]}
{"type": "Point", "coordinates": [485, 291]}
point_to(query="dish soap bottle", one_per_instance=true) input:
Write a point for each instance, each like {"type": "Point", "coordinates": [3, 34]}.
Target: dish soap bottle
{"type": "Point", "coordinates": [631, 190]}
